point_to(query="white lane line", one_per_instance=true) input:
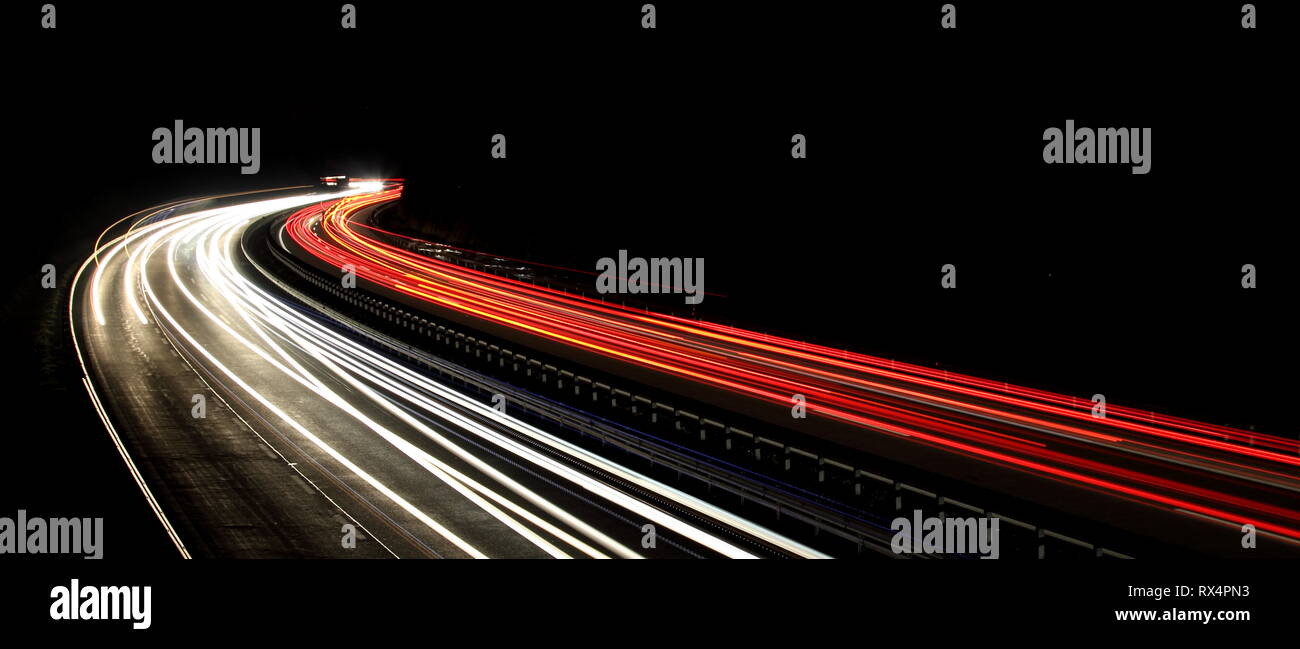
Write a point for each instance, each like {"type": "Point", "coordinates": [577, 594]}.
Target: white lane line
{"type": "Point", "coordinates": [103, 415]}
{"type": "Point", "coordinates": [135, 473]}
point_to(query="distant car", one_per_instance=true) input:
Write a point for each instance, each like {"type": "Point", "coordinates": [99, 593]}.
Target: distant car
{"type": "Point", "coordinates": [334, 183]}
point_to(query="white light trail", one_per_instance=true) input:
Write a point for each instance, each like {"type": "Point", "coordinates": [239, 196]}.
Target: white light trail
{"type": "Point", "coordinates": [284, 338]}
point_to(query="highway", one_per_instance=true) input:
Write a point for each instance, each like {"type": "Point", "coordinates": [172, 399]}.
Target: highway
{"type": "Point", "coordinates": [1198, 474]}
{"type": "Point", "coordinates": [257, 430]}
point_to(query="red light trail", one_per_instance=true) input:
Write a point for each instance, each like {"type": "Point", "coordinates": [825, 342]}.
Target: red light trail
{"type": "Point", "coordinates": [1147, 457]}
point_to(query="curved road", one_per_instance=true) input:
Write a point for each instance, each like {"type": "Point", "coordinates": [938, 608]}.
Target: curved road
{"type": "Point", "coordinates": [256, 431]}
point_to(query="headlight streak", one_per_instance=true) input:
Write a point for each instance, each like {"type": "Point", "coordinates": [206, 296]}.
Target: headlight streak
{"type": "Point", "coordinates": [211, 233]}
{"type": "Point", "coordinates": [98, 248]}
{"type": "Point", "coordinates": [176, 326]}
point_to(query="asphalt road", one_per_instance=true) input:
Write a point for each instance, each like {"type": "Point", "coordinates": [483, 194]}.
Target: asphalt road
{"type": "Point", "coordinates": [306, 433]}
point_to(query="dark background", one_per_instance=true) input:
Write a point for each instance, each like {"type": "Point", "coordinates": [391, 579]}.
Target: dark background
{"type": "Point", "coordinates": [924, 149]}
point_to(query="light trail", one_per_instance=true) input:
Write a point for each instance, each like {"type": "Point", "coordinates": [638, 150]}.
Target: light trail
{"type": "Point", "coordinates": [198, 252]}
